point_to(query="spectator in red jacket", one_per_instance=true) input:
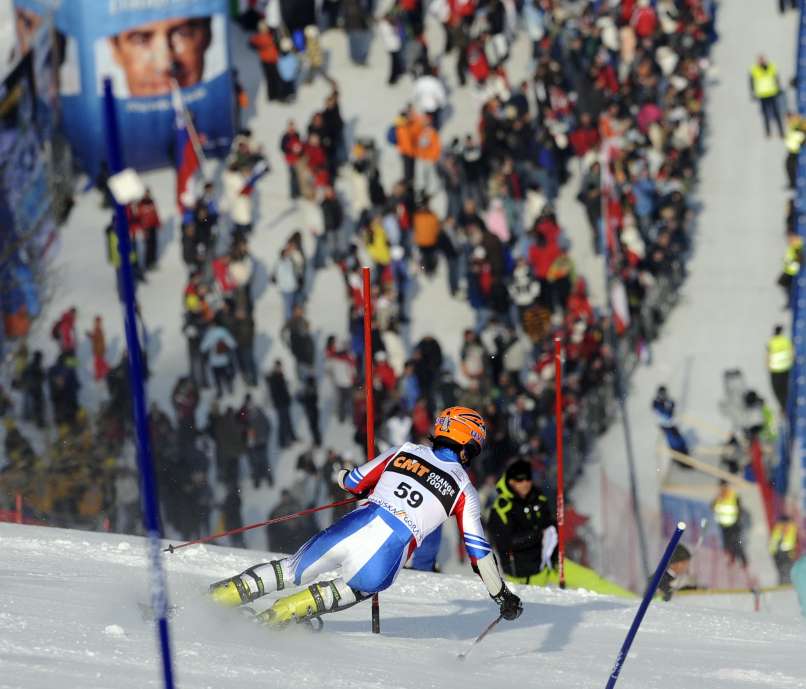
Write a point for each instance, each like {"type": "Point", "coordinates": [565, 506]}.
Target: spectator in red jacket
{"type": "Point", "coordinates": [317, 160]}
{"type": "Point", "coordinates": [64, 331]}
{"type": "Point", "coordinates": [541, 255]}
{"type": "Point", "coordinates": [585, 137]}
{"type": "Point", "coordinates": [578, 304]}
{"type": "Point", "coordinates": [477, 61]}
{"type": "Point", "coordinates": [384, 373]}
{"type": "Point", "coordinates": [148, 221]}
{"type": "Point", "coordinates": [222, 276]}
{"type": "Point", "coordinates": [644, 20]}
{"type": "Point", "coordinates": [606, 79]}
{"type": "Point", "coordinates": [293, 150]}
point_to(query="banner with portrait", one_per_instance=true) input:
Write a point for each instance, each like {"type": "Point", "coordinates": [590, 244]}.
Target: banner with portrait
{"type": "Point", "coordinates": [142, 45]}
{"type": "Point", "coordinates": [25, 199]}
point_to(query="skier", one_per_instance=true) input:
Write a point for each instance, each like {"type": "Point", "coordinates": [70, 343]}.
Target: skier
{"type": "Point", "coordinates": [412, 490]}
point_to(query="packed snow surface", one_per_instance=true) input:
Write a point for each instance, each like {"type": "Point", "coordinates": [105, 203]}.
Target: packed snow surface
{"type": "Point", "coordinates": [71, 616]}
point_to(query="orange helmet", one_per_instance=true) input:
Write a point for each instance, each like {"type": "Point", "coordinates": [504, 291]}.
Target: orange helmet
{"type": "Point", "coordinates": [463, 426]}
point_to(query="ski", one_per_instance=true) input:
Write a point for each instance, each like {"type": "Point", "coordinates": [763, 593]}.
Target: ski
{"type": "Point", "coordinates": [310, 624]}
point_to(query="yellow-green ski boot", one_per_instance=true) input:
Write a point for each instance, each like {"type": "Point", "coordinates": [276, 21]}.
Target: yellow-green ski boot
{"type": "Point", "coordinates": [310, 603]}
{"type": "Point", "coordinates": [298, 606]}
{"type": "Point", "coordinates": [240, 589]}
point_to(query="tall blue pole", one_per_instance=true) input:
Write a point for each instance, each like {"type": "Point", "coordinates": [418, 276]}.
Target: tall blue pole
{"type": "Point", "coordinates": [148, 486]}
{"type": "Point", "coordinates": [639, 616]}
{"type": "Point", "coordinates": [797, 392]}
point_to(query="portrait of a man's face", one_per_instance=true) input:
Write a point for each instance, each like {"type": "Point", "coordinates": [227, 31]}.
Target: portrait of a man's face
{"type": "Point", "coordinates": [150, 55]}
{"type": "Point", "coordinates": [26, 23]}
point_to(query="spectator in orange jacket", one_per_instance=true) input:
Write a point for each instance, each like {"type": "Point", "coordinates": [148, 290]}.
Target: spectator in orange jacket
{"type": "Point", "coordinates": [408, 126]}
{"type": "Point", "coordinates": [427, 149]}
{"type": "Point", "coordinates": [263, 42]}
{"type": "Point", "coordinates": [426, 234]}
{"type": "Point", "coordinates": [98, 341]}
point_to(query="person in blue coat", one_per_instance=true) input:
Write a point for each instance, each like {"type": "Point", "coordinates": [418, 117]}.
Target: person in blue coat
{"type": "Point", "coordinates": [664, 408]}
{"type": "Point", "coordinates": [219, 345]}
{"type": "Point", "coordinates": [425, 557]}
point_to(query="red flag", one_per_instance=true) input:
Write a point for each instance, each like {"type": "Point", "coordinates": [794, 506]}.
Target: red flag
{"type": "Point", "coordinates": [187, 162]}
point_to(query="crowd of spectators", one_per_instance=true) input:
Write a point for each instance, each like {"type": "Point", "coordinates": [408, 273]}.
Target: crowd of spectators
{"type": "Point", "coordinates": [613, 100]}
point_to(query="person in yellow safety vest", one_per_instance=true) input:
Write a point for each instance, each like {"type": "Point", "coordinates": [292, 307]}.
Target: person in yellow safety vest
{"type": "Point", "coordinates": [794, 139]}
{"type": "Point", "coordinates": [784, 547]}
{"type": "Point", "coordinates": [780, 359]}
{"type": "Point", "coordinates": [792, 261]}
{"type": "Point", "coordinates": [113, 256]}
{"type": "Point", "coordinates": [727, 510]}
{"type": "Point", "coordinates": [765, 88]}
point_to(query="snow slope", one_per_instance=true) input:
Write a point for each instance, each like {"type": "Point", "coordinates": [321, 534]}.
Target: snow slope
{"type": "Point", "coordinates": [69, 618]}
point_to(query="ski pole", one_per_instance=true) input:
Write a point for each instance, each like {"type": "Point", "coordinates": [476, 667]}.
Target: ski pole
{"type": "Point", "coordinates": [639, 616]}
{"type": "Point", "coordinates": [375, 622]}
{"type": "Point", "coordinates": [701, 539]}
{"type": "Point", "coordinates": [268, 522]}
{"type": "Point", "coordinates": [478, 639]}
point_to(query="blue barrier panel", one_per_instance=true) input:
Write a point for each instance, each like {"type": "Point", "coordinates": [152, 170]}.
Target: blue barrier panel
{"type": "Point", "coordinates": [797, 420]}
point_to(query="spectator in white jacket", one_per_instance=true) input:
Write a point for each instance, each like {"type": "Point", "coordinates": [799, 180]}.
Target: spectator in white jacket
{"type": "Point", "coordinates": [241, 269]}
{"type": "Point", "coordinates": [534, 205]}
{"type": "Point", "coordinates": [285, 277]}
{"type": "Point", "coordinates": [398, 427]}
{"type": "Point", "coordinates": [340, 368]}
{"type": "Point", "coordinates": [430, 97]}
{"type": "Point", "coordinates": [391, 37]}
{"type": "Point", "coordinates": [523, 288]}
{"type": "Point", "coordinates": [219, 345]}
{"type": "Point", "coordinates": [358, 174]}
{"type": "Point", "coordinates": [395, 350]}
{"type": "Point", "coordinates": [235, 202]}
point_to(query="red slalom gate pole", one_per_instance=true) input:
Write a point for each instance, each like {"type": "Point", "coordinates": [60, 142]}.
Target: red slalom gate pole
{"type": "Point", "coordinates": [18, 507]}
{"type": "Point", "coordinates": [558, 411]}
{"type": "Point", "coordinates": [268, 522]}
{"type": "Point", "coordinates": [368, 363]}
{"type": "Point", "coordinates": [767, 497]}
{"type": "Point", "coordinates": [376, 605]}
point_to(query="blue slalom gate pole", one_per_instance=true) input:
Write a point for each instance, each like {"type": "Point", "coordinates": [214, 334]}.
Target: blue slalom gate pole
{"type": "Point", "coordinates": [148, 487]}
{"type": "Point", "coordinates": [639, 616]}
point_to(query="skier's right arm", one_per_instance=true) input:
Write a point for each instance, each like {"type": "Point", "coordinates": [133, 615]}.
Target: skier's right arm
{"type": "Point", "coordinates": [482, 558]}
{"type": "Point", "coordinates": [363, 479]}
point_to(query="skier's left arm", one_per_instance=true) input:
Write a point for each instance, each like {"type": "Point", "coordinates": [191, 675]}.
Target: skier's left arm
{"type": "Point", "coordinates": [363, 479]}
{"type": "Point", "coordinates": [468, 516]}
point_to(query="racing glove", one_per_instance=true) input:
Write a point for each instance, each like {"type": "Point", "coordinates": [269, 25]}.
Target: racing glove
{"type": "Point", "coordinates": [509, 604]}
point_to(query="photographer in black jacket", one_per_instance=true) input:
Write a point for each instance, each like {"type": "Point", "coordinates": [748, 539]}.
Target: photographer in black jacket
{"type": "Point", "coordinates": [522, 525]}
